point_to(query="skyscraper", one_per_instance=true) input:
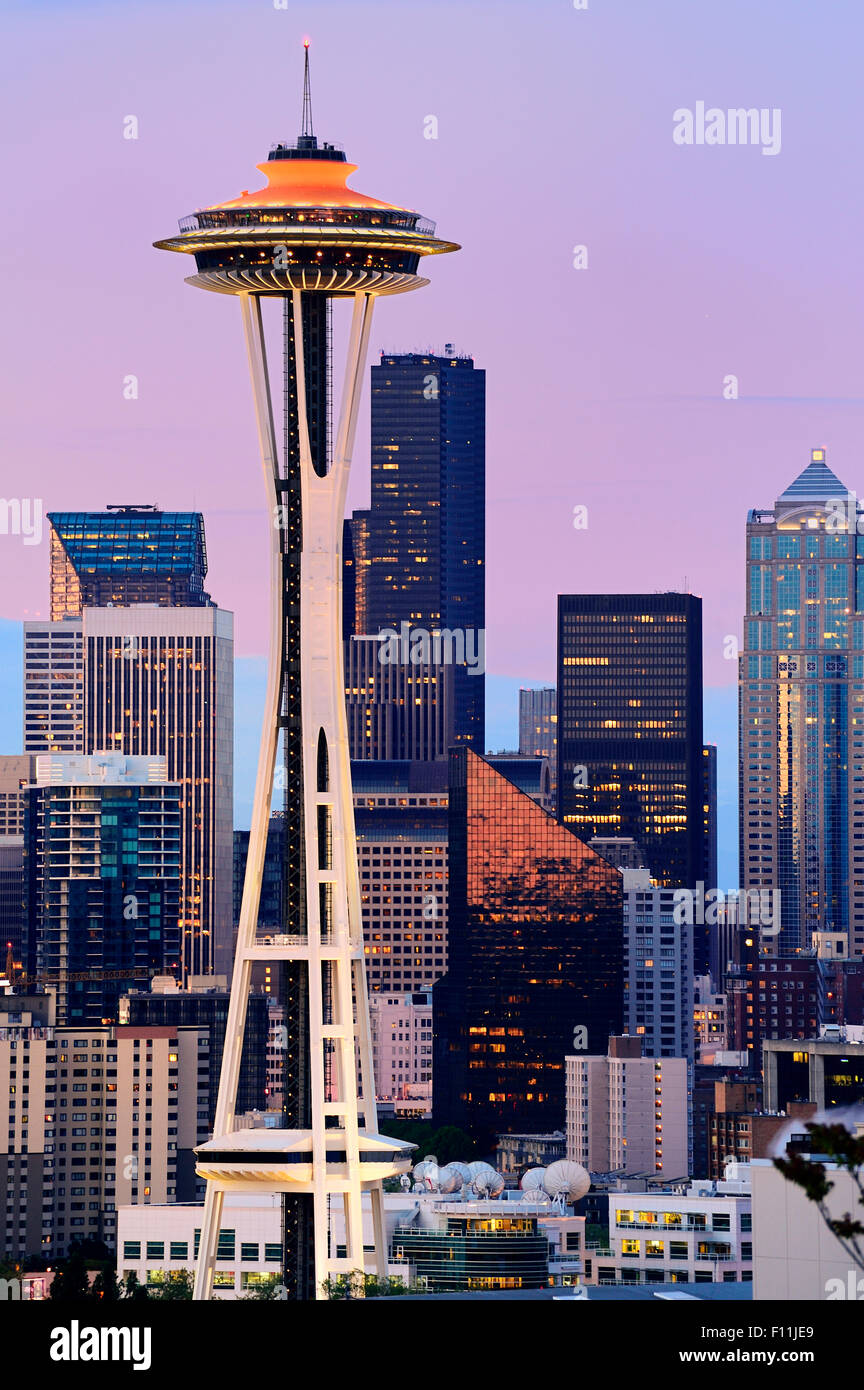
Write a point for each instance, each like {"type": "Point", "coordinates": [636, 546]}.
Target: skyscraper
{"type": "Point", "coordinates": [630, 725]}
{"type": "Point", "coordinates": [137, 659]}
{"type": "Point", "coordinates": [125, 555]}
{"type": "Point", "coordinates": [305, 239]}
{"type": "Point", "coordinates": [658, 964]}
{"type": "Point", "coordinates": [159, 681]}
{"type": "Point", "coordinates": [419, 550]}
{"type": "Point", "coordinates": [801, 687]}
{"type": "Point", "coordinates": [102, 879]}
{"type": "Point", "coordinates": [535, 957]}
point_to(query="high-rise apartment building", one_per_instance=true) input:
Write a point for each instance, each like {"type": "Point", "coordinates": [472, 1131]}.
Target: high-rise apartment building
{"type": "Point", "coordinates": [535, 954]}
{"type": "Point", "coordinates": [658, 960]}
{"type": "Point", "coordinates": [102, 879]}
{"type": "Point", "coordinates": [419, 550]}
{"type": "Point", "coordinates": [628, 1113]}
{"type": "Point", "coordinates": [159, 683]}
{"type": "Point", "coordinates": [203, 1004]}
{"type": "Point", "coordinates": [126, 555]}
{"type": "Point", "coordinates": [630, 760]}
{"type": "Point", "coordinates": [90, 1119]}
{"type": "Point", "coordinates": [801, 687]}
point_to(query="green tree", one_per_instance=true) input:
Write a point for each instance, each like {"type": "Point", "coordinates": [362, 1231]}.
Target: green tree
{"type": "Point", "coordinates": [846, 1150]}
{"type": "Point", "coordinates": [451, 1144]}
{"type": "Point", "coordinates": [134, 1289]}
{"type": "Point", "coordinates": [178, 1284]}
{"type": "Point", "coordinates": [106, 1285]}
{"type": "Point", "coordinates": [357, 1284]}
{"type": "Point", "coordinates": [71, 1281]}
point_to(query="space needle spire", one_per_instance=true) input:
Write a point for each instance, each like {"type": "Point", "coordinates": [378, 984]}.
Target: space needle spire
{"type": "Point", "coordinates": [307, 95]}
{"type": "Point", "coordinates": [307, 241]}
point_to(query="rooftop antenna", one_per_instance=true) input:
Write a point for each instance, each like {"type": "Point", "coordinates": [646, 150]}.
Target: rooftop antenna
{"type": "Point", "coordinates": [307, 95]}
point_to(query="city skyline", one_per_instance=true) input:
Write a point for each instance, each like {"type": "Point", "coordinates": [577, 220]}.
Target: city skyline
{"type": "Point", "coordinates": [435, 872]}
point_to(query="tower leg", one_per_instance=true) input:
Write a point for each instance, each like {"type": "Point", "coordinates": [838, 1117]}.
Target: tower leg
{"type": "Point", "coordinates": [208, 1243]}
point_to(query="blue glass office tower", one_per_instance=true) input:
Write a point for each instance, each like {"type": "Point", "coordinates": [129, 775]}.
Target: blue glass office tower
{"type": "Point", "coordinates": [126, 555]}
{"type": "Point", "coordinates": [801, 691]}
{"type": "Point", "coordinates": [419, 551]}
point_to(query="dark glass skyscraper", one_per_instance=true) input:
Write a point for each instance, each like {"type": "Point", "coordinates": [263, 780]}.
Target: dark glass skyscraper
{"type": "Point", "coordinates": [125, 555]}
{"type": "Point", "coordinates": [419, 551]}
{"type": "Point", "coordinates": [536, 951]}
{"type": "Point", "coordinates": [630, 758]}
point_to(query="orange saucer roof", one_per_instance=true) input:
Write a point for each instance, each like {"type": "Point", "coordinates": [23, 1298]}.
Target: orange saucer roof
{"type": "Point", "coordinates": [300, 183]}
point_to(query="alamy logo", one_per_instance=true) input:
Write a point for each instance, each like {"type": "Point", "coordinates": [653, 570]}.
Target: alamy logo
{"type": "Point", "coordinates": [852, 1290]}
{"type": "Point", "coordinates": [77, 1343]}
{"type": "Point", "coordinates": [444, 646]}
{"type": "Point", "coordinates": [843, 516]}
{"type": "Point", "coordinates": [21, 516]}
{"type": "Point", "coordinates": [737, 126]}
{"type": "Point", "coordinates": [758, 906]}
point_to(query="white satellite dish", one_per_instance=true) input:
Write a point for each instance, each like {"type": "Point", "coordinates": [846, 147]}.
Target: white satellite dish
{"type": "Point", "coordinates": [567, 1181]}
{"type": "Point", "coordinates": [532, 1179]}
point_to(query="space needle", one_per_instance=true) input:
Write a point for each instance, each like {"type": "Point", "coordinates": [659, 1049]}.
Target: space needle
{"type": "Point", "coordinates": [306, 240]}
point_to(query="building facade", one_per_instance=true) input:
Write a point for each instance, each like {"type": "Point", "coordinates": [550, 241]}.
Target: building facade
{"type": "Point", "coordinates": [419, 550]}
{"type": "Point", "coordinates": [627, 1113]}
{"type": "Point", "coordinates": [538, 725]}
{"type": "Point", "coordinates": [102, 879]}
{"type": "Point", "coordinates": [401, 1045]}
{"type": "Point", "coordinates": [703, 1235]}
{"type": "Point", "coordinates": [203, 1004]}
{"type": "Point", "coordinates": [397, 709]}
{"type": "Point", "coordinates": [159, 682]}
{"type": "Point", "coordinates": [630, 759]}
{"type": "Point", "coordinates": [658, 961]}
{"type": "Point", "coordinates": [54, 686]}
{"type": "Point", "coordinates": [801, 695]}
{"type": "Point", "coordinates": [535, 952]}
{"type": "Point", "coordinates": [827, 1071]}
{"type": "Point", "coordinates": [402, 829]}
{"type": "Point", "coordinates": [126, 555]}
{"type": "Point", "coordinates": [90, 1119]}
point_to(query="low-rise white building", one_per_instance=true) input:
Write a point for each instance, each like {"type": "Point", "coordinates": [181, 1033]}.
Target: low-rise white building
{"type": "Point", "coordinates": [702, 1234]}
{"type": "Point", "coordinates": [157, 1241]}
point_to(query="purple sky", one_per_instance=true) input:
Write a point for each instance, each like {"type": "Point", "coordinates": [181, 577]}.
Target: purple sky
{"type": "Point", "coordinates": [555, 129]}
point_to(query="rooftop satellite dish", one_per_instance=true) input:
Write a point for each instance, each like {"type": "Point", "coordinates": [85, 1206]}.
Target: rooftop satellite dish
{"type": "Point", "coordinates": [535, 1197]}
{"type": "Point", "coordinates": [567, 1181]}
{"type": "Point", "coordinates": [449, 1178]}
{"type": "Point", "coordinates": [532, 1179]}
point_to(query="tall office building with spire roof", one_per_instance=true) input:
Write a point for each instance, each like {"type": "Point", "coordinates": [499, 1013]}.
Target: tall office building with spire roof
{"type": "Point", "coordinates": [801, 689]}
